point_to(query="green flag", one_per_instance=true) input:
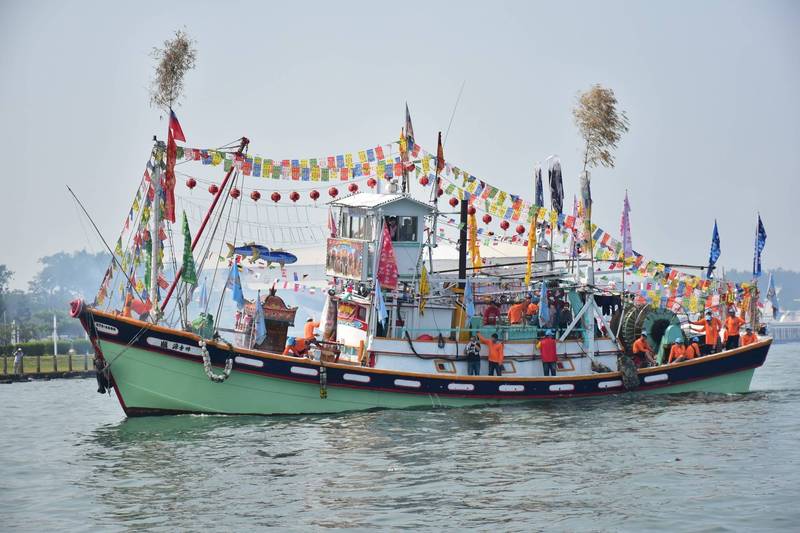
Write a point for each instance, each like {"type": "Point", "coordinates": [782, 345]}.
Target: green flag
{"type": "Point", "coordinates": [189, 274]}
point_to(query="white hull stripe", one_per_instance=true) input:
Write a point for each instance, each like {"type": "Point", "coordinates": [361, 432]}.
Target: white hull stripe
{"type": "Point", "coordinates": [303, 371]}
{"type": "Point", "coordinates": [361, 378]}
{"type": "Point", "coordinates": [613, 384]}
{"type": "Point", "coordinates": [511, 388]}
{"type": "Point", "coordinates": [249, 362]}
{"type": "Point", "coordinates": [105, 328]}
{"type": "Point", "coordinates": [461, 386]}
{"type": "Point", "coordinates": [410, 383]}
{"type": "Point", "coordinates": [562, 387]}
{"type": "Point", "coordinates": [655, 378]}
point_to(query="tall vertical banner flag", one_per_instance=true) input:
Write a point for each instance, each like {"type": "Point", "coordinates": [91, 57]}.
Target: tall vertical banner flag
{"type": "Point", "coordinates": [772, 297]}
{"type": "Point", "coordinates": [189, 275]}
{"type": "Point", "coordinates": [714, 253]}
{"type": "Point", "coordinates": [531, 247]}
{"type": "Point", "coordinates": [235, 285]}
{"type": "Point", "coordinates": [538, 187]}
{"type": "Point", "coordinates": [625, 229]}
{"type": "Point", "coordinates": [204, 294]}
{"type": "Point", "coordinates": [544, 309]}
{"type": "Point", "coordinates": [387, 264]}
{"type": "Point", "coordinates": [260, 326]}
{"type": "Point", "coordinates": [556, 186]}
{"type": "Point", "coordinates": [439, 156]}
{"type": "Point", "coordinates": [469, 299]}
{"type": "Point", "coordinates": [174, 133]}
{"type": "Point", "coordinates": [380, 303]}
{"type": "Point", "coordinates": [761, 240]}
{"type": "Point", "coordinates": [409, 129]}
{"type": "Point", "coordinates": [424, 289]}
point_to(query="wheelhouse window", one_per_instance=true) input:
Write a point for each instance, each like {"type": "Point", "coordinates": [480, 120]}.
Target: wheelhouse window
{"type": "Point", "coordinates": [356, 227]}
{"type": "Point", "coordinates": [402, 229]}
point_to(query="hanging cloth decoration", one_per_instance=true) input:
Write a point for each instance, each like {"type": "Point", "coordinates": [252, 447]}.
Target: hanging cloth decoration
{"type": "Point", "coordinates": [469, 300]}
{"type": "Point", "coordinates": [174, 133]}
{"type": "Point", "coordinates": [474, 247]}
{"type": "Point", "coordinates": [387, 264]}
{"type": "Point", "coordinates": [235, 284]}
{"type": "Point", "coordinates": [424, 289]}
{"type": "Point", "coordinates": [260, 325]}
{"type": "Point", "coordinates": [531, 247]}
{"type": "Point", "coordinates": [556, 185]}
{"type": "Point", "coordinates": [189, 275]}
{"type": "Point", "coordinates": [625, 229]}
{"type": "Point", "coordinates": [539, 188]}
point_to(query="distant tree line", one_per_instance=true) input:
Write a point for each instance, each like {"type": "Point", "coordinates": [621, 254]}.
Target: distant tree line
{"type": "Point", "coordinates": [63, 277]}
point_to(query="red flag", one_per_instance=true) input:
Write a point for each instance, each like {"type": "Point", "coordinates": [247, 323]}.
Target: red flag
{"type": "Point", "coordinates": [175, 133]}
{"type": "Point", "coordinates": [439, 156]}
{"type": "Point", "coordinates": [387, 264]}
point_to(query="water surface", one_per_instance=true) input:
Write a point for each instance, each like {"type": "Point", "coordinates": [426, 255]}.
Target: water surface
{"type": "Point", "coordinates": [693, 462]}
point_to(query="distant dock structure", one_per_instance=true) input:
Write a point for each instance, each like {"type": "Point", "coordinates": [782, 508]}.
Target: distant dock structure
{"type": "Point", "coordinates": [784, 331]}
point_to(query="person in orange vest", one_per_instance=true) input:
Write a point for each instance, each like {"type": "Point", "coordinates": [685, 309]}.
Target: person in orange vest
{"type": "Point", "coordinates": [549, 350]}
{"type": "Point", "coordinates": [516, 313]}
{"type": "Point", "coordinates": [496, 353]}
{"type": "Point", "coordinates": [308, 329]}
{"type": "Point", "coordinates": [732, 325]}
{"type": "Point", "coordinates": [749, 337]}
{"type": "Point", "coordinates": [298, 347]}
{"type": "Point", "coordinates": [677, 353]}
{"type": "Point", "coordinates": [693, 350]}
{"type": "Point", "coordinates": [711, 326]}
{"type": "Point", "coordinates": [642, 351]}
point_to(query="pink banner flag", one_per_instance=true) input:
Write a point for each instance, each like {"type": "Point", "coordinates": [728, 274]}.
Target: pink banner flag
{"type": "Point", "coordinates": [387, 264]}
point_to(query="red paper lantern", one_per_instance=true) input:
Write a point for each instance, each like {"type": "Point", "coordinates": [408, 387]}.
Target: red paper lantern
{"type": "Point", "coordinates": [314, 194]}
{"type": "Point", "coordinates": [191, 182]}
{"type": "Point", "coordinates": [255, 195]}
{"type": "Point", "coordinates": [504, 225]}
{"type": "Point", "coordinates": [276, 197]}
{"type": "Point", "coordinates": [471, 210]}
{"type": "Point", "coordinates": [424, 181]}
{"type": "Point", "coordinates": [353, 187]}
{"type": "Point", "coordinates": [333, 192]}
{"type": "Point", "coordinates": [520, 229]}
{"type": "Point", "coordinates": [235, 193]}
{"type": "Point", "coordinates": [294, 196]}
{"type": "Point", "coordinates": [371, 183]}
{"type": "Point", "coordinates": [213, 189]}
{"type": "Point", "coordinates": [487, 218]}
{"type": "Point", "coordinates": [453, 201]}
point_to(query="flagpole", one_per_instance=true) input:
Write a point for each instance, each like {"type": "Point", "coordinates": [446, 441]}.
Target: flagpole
{"type": "Point", "coordinates": [244, 142]}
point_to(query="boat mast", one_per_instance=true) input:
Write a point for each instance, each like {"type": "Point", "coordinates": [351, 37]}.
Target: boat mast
{"type": "Point", "coordinates": [155, 218]}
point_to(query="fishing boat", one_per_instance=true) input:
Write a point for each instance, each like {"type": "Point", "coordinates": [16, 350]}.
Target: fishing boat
{"type": "Point", "coordinates": [395, 325]}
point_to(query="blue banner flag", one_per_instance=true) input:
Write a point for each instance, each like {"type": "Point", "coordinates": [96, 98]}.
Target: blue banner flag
{"type": "Point", "coordinates": [469, 300]}
{"type": "Point", "coordinates": [380, 304]}
{"type": "Point", "coordinates": [261, 327]}
{"type": "Point", "coordinates": [236, 286]}
{"type": "Point", "coordinates": [713, 255]}
{"type": "Point", "coordinates": [761, 240]}
{"type": "Point", "coordinates": [544, 308]}
{"type": "Point", "coordinates": [772, 297]}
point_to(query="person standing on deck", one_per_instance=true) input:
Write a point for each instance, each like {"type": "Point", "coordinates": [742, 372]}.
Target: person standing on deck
{"type": "Point", "coordinates": [473, 353]}
{"type": "Point", "coordinates": [491, 313]}
{"type": "Point", "coordinates": [732, 325]}
{"type": "Point", "coordinates": [533, 312]}
{"type": "Point", "coordinates": [642, 351]}
{"type": "Point", "coordinates": [516, 313]}
{"type": "Point", "coordinates": [749, 337]}
{"type": "Point", "coordinates": [308, 328]}
{"type": "Point", "coordinates": [496, 353]}
{"type": "Point", "coordinates": [711, 326]}
{"type": "Point", "coordinates": [18, 355]}
{"type": "Point", "coordinates": [549, 351]}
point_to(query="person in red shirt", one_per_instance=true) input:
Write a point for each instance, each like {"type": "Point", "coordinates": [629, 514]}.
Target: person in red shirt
{"type": "Point", "coordinates": [711, 326]}
{"type": "Point", "coordinates": [548, 348]}
{"type": "Point", "coordinates": [732, 325]}
{"type": "Point", "coordinates": [496, 353]}
{"type": "Point", "coordinates": [491, 313]}
{"type": "Point", "coordinates": [642, 351]}
{"type": "Point", "coordinates": [677, 353]}
{"type": "Point", "coordinates": [749, 337]}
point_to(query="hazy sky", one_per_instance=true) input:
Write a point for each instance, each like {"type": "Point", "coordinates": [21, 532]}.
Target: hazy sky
{"type": "Point", "coordinates": [711, 90]}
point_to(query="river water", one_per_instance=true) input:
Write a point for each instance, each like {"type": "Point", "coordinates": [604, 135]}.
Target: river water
{"type": "Point", "coordinates": [71, 460]}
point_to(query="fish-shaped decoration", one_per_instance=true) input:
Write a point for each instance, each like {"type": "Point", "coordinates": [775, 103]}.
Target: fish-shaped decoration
{"type": "Point", "coordinates": [259, 251]}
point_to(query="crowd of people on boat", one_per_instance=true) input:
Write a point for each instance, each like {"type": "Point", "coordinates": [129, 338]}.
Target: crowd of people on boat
{"type": "Point", "coordinates": [527, 312]}
{"type": "Point", "coordinates": [716, 336]}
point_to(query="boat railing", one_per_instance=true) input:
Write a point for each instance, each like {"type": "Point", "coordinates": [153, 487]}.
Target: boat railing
{"type": "Point", "coordinates": [506, 332]}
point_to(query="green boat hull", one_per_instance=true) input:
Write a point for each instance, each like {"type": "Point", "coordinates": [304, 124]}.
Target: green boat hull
{"type": "Point", "coordinates": [148, 382]}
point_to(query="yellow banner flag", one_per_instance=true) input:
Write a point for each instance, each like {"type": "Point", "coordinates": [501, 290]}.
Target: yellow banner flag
{"type": "Point", "coordinates": [424, 289]}
{"type": "Point", "coordinates": [531, 246]}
